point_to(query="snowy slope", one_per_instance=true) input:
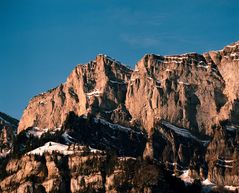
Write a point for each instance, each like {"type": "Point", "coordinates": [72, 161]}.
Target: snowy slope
{"type": "Point", "coordinates": [183, 132]}
{"type": "Point", "coordinates": [59, 148]}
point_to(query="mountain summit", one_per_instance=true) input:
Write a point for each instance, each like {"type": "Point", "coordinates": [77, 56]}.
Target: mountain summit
{"type": "Point", "coordinates": [112, 129]}
{"type": "Point", "coordinates": [189, 90]}
{"type": "Point", "coordinates": [95, 87]}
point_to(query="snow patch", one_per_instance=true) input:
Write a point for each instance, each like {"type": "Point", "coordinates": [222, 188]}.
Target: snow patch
{"type": "Point", "coordinates": [4, 153]}
{"type": "Point", "coordinates": [117, 82]}
{"type": "Point", "coordinates": [2, 119]}
{"type": "Point", "coordinates": [175, 164]}
{"type": "Point", "coordinates": [93, 93]}
{"type": "Point", "coordinates": [232, 188]}
{"type": "Point", "coordinates": [207, 182]}
{"type": "Point", "coordinates": [43, 93]}
{"type": "Point", "coordinates": [186, 178]}
{"type": "Point", "coordinates": [231, 128]}
{"type": "Point", "coordinates": [168, 70]}
{"type": "Point", "coordinates": [183, 132]}
{"type": "Point", "coordinates": [184, 83]}
{"type": "Point", "coordinates": [233, 54]}
{"type": "Point", "coordinates": [38, 132]}
{"type": "Point", "coordinates": [93, 150]}
{"type": "Point", "coordinates": [126, 158]}
{"type": "Point", "coordinates": [42, 102]}
{"type": "Point", "coordinates": [173, 61]}
{"type": "Point", "coordinates": [207, 185]}
{"type": "Point", "coordinates": [67, 138]}
{"type": "Point", "coordinates": [224, 165]}
{"type": "Point", "coordinates": [115, 126]}
{"type": "Point", "coordinates": [179, 57]}
{"type": "Point", "coordinates": [226, 161]}
{"type": "Point", "coordinates": [231, 46]}
{"type": "Point", "coordinates": [108, 112]}
{"type": "Point", "coordinates": [50, 147]}
{"type": "Point", "coordinates": [203, 66]}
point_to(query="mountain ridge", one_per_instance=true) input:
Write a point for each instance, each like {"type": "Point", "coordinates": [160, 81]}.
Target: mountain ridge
{"type": "Point", "coordinates": [177, 113]}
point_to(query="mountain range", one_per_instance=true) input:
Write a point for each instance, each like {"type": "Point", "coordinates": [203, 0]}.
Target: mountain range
{"type": "Point", "coordinates": [169, 125]}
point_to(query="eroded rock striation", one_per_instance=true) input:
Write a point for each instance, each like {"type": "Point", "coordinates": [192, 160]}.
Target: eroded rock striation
{"type": "Point", "coordinates": [82, 171]}
{"type": "Point", "coordinates": [190, 90]}
{"type": "Point", "coordinates": [176, 115]}
{"type": "Point", "coordinates": [96, 88]}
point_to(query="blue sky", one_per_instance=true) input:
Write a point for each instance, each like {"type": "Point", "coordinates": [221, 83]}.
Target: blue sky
{"type": "Point", "coordinates": [42, 41]}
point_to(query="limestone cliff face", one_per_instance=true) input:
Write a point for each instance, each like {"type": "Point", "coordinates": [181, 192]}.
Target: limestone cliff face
{"type": "Point", "coordinates": [81, 172]}
{"type": "Point", "coordinates": [227, 61]}
{"type": "Point", "coordinates": [180, 110]}
{"type": "Point", "coordinates": [190, 90]}
{"type": "Point", "coordinates": [222, 155]}
{"type": "Point", "coordinates": [96, 87]}
{"type": "Point", "coordinates": [181, 89]}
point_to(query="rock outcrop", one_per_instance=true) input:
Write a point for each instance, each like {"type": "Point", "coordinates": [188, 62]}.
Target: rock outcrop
{"type": "Point", "coordinates": [97, 87]}
{"type": "Point", "coordinates": [190, 90]}
{"type": "Point", "coordinates": [81, 170]}
{"type": "Point", "coordinates": [173, 113]}
{"type": "Point", "coordinates": [8, 129]}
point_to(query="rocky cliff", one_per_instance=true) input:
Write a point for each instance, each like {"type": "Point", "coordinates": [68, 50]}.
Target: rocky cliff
{"type": "Point", "coordinates": [98, 88]}
{"type": "Point", "coordinates": [174, 115]}
{"type": "Point", "coordinates": [190, 90]}
{"type": "Point", "coordinates": [8, 129]}
{"type": "Point", "coordinates": [80, 169]}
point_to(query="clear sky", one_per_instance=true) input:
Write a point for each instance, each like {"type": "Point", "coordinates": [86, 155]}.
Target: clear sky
{"type": "Point", "coordinates": [41, 41]}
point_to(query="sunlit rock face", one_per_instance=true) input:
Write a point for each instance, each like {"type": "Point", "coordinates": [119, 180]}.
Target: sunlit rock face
{"type": "Point", "coordinates": [97, 87]}
{"type": "Point", "coordinates": [190, 90]}
{"type": "Point", "coordinates": [176, 115]}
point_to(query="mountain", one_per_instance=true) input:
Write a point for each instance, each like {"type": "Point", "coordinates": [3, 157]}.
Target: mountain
{"type": "Point", "coordinates": [8, 129]}
{"type": "Point", "coordinates": [112, 129]}
{"type": "Point", "coordinates": [97, 87]}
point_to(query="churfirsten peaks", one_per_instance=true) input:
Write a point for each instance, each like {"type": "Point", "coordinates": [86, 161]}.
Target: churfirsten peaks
{"type": "Point", "coordinates": [169, 125]}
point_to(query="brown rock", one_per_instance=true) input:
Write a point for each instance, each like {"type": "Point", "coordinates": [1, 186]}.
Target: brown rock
{"type": "Point", "coordinates": [95, 87]}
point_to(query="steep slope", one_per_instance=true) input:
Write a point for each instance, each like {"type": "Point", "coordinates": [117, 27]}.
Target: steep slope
{"type": "Point", "coordinates": [8, 129]}
{"type": "Point", "coordinates": [181, 89]}
{"type": "Point", "coordinates": [227, 61]}
{"type": "Point", "coordinates": [97, 87]}
{"type": "Point", "coordinates": [180, 110]}
{"type": "Point", "coordinates": [80, 169]}
{"type": "Point", "coordinates": [190, 90]}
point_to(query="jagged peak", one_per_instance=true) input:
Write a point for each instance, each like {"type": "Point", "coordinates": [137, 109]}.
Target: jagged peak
{"type": "Point", "coordinates": [234, 44]}
{"type": "Point", "coordinates": [176, 56]}
{"type": "Point", "coordinates": [188, 54]}
{"type": "Point", "coordinates": [101, 59]}
{"type": "Point", "coordinates": [193, 56]}
{"type": "Point", "coordinates": [152, 56]}
{"type": "Point", "coordinates": [112, 60]}
{"type": "Point", "coordinates": [89, 68]}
